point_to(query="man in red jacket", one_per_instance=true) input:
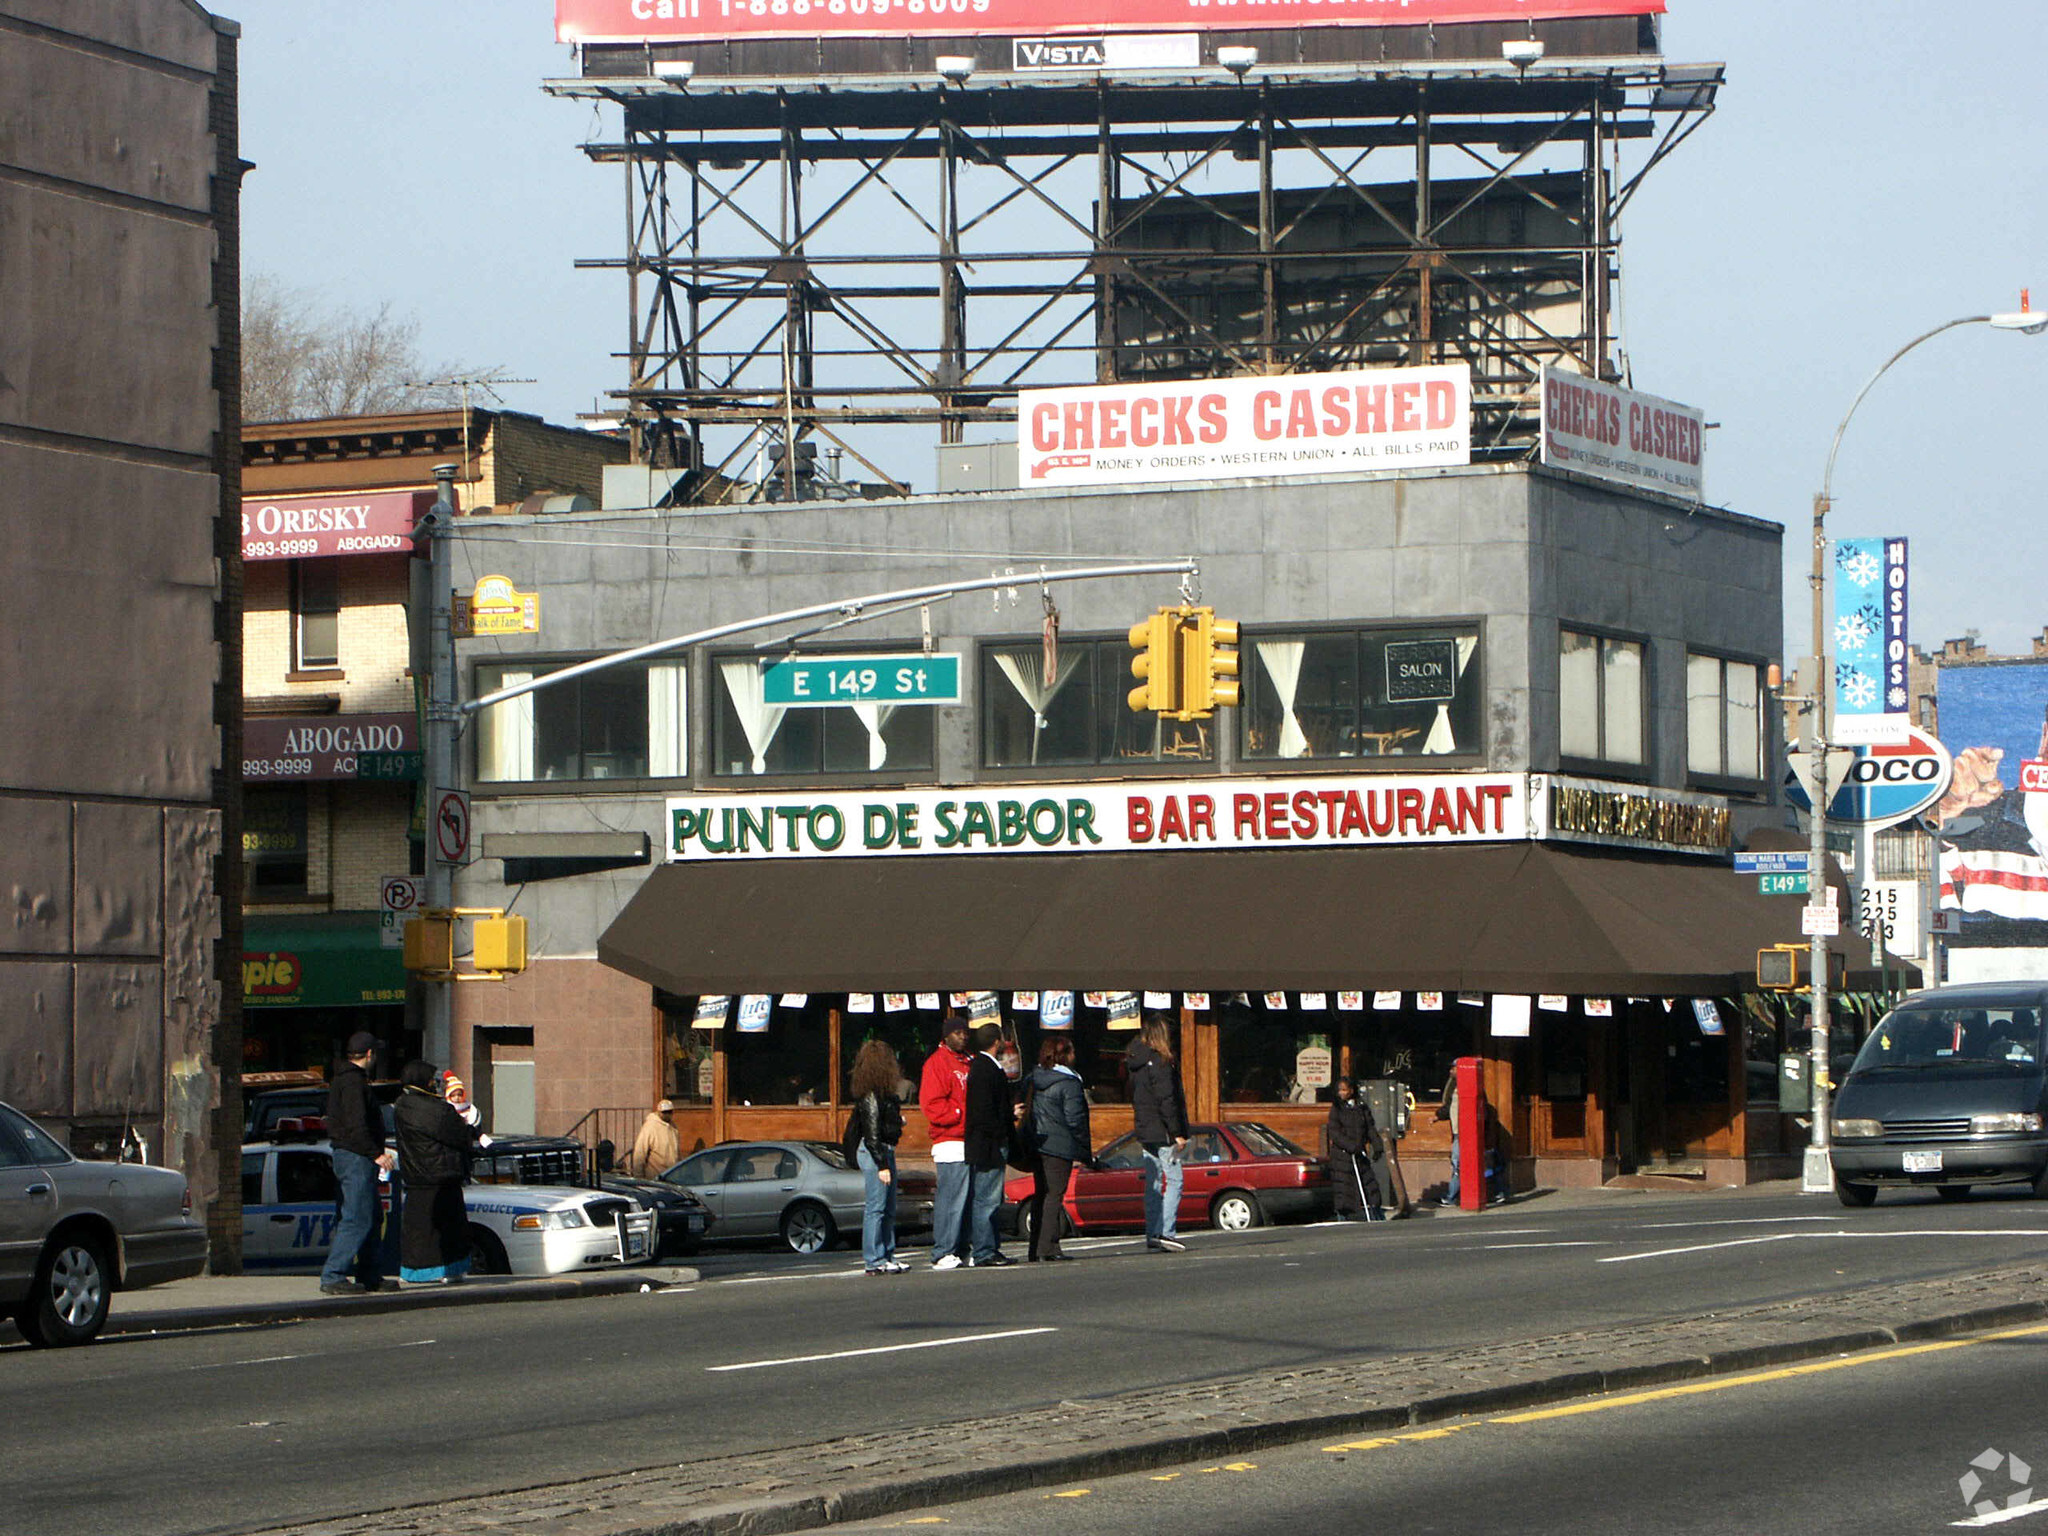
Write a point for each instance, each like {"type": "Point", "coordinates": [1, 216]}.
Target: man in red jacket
{"type": "Point", "coordinates": [942, 1095]}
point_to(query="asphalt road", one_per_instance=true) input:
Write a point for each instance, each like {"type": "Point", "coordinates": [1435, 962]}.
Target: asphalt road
{"type": "Point", "coordinates": [1854, 1445]}
{"type": "Point", "coordinates": [247, 1428]}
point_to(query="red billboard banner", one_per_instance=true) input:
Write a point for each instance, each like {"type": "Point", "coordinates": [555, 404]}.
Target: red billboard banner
{"type": "Point", "coordinates": [642, 21]}
{"type": "Point", "coordinates": [341, 523]}
{"type": "Point", "coordinates": [285, 749]}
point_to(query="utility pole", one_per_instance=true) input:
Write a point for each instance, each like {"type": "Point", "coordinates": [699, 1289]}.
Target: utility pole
{"type": "Point", "coordinates": [436, 527]}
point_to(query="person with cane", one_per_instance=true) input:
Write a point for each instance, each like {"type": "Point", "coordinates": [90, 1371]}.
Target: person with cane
{"type": "Point", "coordinates": [1349, 1136]}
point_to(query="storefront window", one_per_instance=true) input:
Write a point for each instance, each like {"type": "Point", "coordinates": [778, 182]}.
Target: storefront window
{"type": "Point", "coordinates": [1362, 693]}
{"type": "Point", "coordinates": [785, 1064]}
{"type": "Point", "coordinates": [751, 736]}
{"type": "Point", "coordinates": [912, 1034]}
{"type": "Point", "coordinates": [1696, 1070]}
{"type": "Point", "coordinates": [626, 722]}
{"type": "Point", "coordinates": [1762, 1044]}
{"type": "Point", "coordinates": [274, 843]}
{"type": "Point", "coordinates": [1081, 716]}
{"type": "Point", "coordinates": [1723, 710]}
{"type": "Point", "coordinates": [1600, 699]}
{"type": "Point", "coordinates": [1259, 1050]}
{"type": "Point", "coordinates": [1408, 1045]}
{"type": "Point", "coordinates": [686, 1075]}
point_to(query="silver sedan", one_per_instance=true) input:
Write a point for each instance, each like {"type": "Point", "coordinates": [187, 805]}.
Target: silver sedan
{"type": "Point", "coordinates": [804, 1192]}
{"type": "Point", "coordinates": [73, 1232]}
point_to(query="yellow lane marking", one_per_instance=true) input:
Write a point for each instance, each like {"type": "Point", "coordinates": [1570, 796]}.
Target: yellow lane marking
{"type": "Point", "coordinates": [1693, 1389]}
{"type": "Point", "coordinates": [1076, 1493]}
{"type": "Point", "coordinates": [1165, 1477]}
{"type": "Point", "coordinates": [1241, 1466]}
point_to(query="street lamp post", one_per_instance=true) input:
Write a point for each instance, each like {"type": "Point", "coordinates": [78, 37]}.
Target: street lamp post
{"type": "Point", "coordinates": [1818, 1176]}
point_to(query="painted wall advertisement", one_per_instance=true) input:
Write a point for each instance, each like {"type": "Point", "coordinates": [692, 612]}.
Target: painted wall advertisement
{"type": "Point", "coordinates": [1873, 700]}
{"type": "Point", "coordinates": [1219, 429]}
{"type": "Point", "coordinates": [635, 21]}
{"type": "Point", "coordinates": [1994, 819]}
{"type": "Point", "coordinates": [1617, 434]}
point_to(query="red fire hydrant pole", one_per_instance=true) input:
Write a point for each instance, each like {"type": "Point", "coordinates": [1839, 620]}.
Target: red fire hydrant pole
{"type": "Point", "coordinates": [1471, 1136]}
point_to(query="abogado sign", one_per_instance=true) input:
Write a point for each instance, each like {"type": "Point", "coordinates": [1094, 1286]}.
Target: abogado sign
{"type": "Point", "coordinates": [1164, 815]}
{"type": "Point", "coordinates": [638, 21]}
{"type": "Point", "coordinates": [1617, 434]}
{"type": "Point", "coordinates": [1212, 429]}
{"type": "Point", "coordinates": [345, 523]}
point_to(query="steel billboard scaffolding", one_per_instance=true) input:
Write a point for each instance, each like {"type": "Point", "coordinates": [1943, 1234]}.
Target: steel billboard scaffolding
{"type": "Point", "coordinates": [830, 234]}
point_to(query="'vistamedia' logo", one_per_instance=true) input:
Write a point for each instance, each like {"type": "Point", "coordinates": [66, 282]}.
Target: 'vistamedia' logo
{"type": "Point", "coordinates": [1991, 1474]}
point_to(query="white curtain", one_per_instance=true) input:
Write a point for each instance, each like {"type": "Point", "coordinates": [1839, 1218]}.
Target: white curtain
{"type": "Point", "coordinates": [759, 719]}
{"type": "Point", "coordinates": [504, 733]}
{"type": "Point", "coordinates": [1282, 659]}
{"type": "Point", "coordinates": [1026, 672]}
{"type": "Point", "coordinates": [1441, 737]}
{"type": "Point", "coordinates": [667, 748]}
{"type": "Point", "coordinates": [874, 717]}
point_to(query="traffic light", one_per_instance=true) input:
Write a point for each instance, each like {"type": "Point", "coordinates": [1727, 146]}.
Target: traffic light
{"type": "Point", "coordinates": [1159, 678]}
{"type": "Point", "coordinates": [430, 943]}
{"type": "Point", "coordinates": [1777, 968]}
{"type": "Point", "coordinates": [1208, 663]}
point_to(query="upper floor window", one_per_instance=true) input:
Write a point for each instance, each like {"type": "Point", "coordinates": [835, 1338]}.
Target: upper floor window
{"type": "Point", "coordinates": [1600, 699]}
{"type": "Point", "coordinates": [1723, 718]}
{"type": "Point", "coordinates": [316, 614]}
{"type": "Point", "coordinates": [625, 722]}
{"type": "Point", "coordinates": [1078, 715]}
{"type": "Point", "coordinates": [1394, 692]}
{"type": "Point", "coordinates": [752, 736]}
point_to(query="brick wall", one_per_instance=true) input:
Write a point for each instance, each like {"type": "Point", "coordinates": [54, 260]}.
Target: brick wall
{"type": "Point", "coordinates": [375, 652]}
{"type": "Point", "coordinates": [525, 456]}
{"type": "Point", "coordinates": [594, 1035]}
{"type": "Point", "coordinates": [367, 826]}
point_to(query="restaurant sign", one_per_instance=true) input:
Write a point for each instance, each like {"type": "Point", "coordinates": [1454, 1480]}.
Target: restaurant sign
{"type": "Point", "coordinates": [298, 749]}
{"type": "Point", "coordinates": [1088, 818]}
{"type": "Point", "coordinates": [1628, 816]}
{"type": "Point", "coordinates": [340, 523]}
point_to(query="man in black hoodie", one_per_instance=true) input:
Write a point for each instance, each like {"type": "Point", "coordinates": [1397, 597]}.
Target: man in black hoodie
{"type": "Point", "coordinates": [355, 1129]}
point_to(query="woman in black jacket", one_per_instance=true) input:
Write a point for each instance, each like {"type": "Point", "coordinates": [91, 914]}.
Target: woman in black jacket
{"type": "Point", "coordinates": [1059, 1139]}
{"type": "Point", "coordinates": [1159, 1115]}
{"type": "Point", "coordinates": [872, 1131]}
{"type": "Point", "coordinates": [433, 1145]}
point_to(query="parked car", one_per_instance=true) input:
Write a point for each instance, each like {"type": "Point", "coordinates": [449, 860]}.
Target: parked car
{"type": "Point", "coordinates": [73, 1232]}
{"type": "Point", "coordinates": [681, 1219]}
{"type": "Point", "coordinates": [1950, 1091]}
{"type": "Point", "coordinates": [803, 1192]}
{"type": "Point", "coordinates": [266, 1109]}
{"type": "Point", "coordinates": [1232, 1177]}
{"type": "Point", "coordinates": [289, 1212]}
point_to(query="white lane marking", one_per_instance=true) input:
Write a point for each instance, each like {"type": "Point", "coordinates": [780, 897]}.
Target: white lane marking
{"type": "Point", "coordinates": [1491, 1247]}
{"type": "Point", "coordinates": [821, 1274]}
{"type": "Point", "coordinates": [1832, 1233]}
{"type": "Point", "coordinates": [1733, 1221]}
{"type": "Point", "coordinates": [2000, 1516]}
{"type": "Point", "coordinates": [317, 1354]}
{"type": "Point", "coordinates": [884, 1349]}
{"type": "Point", "coordinates": [1504, 1232]}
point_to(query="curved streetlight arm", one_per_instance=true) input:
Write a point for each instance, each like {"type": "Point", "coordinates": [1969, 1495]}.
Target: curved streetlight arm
{"type": "Point", "coordinates": [1827, 478]}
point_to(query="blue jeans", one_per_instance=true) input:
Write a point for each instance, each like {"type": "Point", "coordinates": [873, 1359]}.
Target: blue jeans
{"type": "Point", "coordinates": [1451, 1190]}
{"type": "Point", "coordinates": [357, 1176]}
{"type": "Point", "coordinates": [878, 1213]}
{"type": "Point", "coordinates": [986, 1209]}
{"type": "Point", "coordinates": [1162, 1206]}
{"type": "Point", "coordinates": [949, 1210]}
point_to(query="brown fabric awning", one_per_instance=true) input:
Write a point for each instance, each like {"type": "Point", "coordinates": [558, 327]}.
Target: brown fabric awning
{"type": "Point", "coordinates": [1520, 917]}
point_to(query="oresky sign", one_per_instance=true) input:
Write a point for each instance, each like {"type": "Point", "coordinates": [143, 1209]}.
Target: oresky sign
{"type": "Point", "coordinates": [1212, 429]}
{"type": "Point", "coordinates": [312, 527]}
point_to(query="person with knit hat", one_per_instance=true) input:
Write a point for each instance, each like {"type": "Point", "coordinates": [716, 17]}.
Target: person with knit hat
{"type": "Point", "coordinates": [456, 1092]}
{"type": "Point", "coordinates": [658, 1147]}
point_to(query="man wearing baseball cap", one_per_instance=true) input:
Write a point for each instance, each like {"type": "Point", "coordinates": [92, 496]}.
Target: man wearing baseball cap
{"type": "Point", "coordinates": [942, 1095]}
{"type": "Point", "coordinates": [355, 1128]}
{"type": "Point", "coordinates": [658, 1147]}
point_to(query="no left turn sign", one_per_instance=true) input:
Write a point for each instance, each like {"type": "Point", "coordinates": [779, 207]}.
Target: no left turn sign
{"type": "Point", "coordinates": [451, 826]}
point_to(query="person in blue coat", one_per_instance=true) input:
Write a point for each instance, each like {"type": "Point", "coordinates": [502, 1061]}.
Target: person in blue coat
{"type": "Point", "coordinates": [1059, 1138]}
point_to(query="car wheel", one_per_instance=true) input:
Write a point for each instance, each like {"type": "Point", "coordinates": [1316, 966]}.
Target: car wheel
{"type": "Point", "coordinates": [68, 1304]}
{"type": "Point", "coordinates": [486, 1253]}
{"type": "Point", "coordinates": [807, 1228]}
{"type": "Point", "coordinates": [2041, 1185]}
{"type": "Point", "coordinates": [1953, 1191]}
{"type": "Point", "coordinates": [1020, 1223]}
{"type": "Point", "coordinates": [1236, 1210]}
{"type": "Point", "coordinates": [1858, 1196]}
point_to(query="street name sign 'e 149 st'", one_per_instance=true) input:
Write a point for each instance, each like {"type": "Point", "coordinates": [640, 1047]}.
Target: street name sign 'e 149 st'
{"type": "Point", "coordinates": [799, 682]}
{"type": "Point", "coordinates": [1795, 884]}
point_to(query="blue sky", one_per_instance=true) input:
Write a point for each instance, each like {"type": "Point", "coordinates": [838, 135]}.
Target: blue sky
{"type": "Point", "coordinates": [1870, 173]}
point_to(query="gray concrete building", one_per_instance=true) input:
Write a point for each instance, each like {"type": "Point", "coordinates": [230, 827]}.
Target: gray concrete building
{"type": "Point", "coordinates": [1589, 640]}
{"type": "Point", "coordinates": [120, 182]}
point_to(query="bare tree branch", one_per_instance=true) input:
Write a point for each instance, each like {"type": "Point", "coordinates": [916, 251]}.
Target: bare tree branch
{"type": "Point", "coordinates": [300, 360]}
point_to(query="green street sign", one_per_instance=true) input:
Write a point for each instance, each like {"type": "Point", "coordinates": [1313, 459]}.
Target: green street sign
{"type": "Point", "coordinates": [1782, 885]}
{"type": "Point", "coordinates": [405, 767]}
{"type": "Point", "coordinates": [818, 682]}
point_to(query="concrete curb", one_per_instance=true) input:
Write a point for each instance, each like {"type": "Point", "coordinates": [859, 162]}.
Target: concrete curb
{"type": "Point", "coordinates": [791, 1511]}
{"type": "Point", "coordinates": [488, 1291]}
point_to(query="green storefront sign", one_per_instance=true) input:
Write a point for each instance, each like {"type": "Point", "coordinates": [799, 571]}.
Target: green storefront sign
{"type": "Point", "coordinates": [335, 960]}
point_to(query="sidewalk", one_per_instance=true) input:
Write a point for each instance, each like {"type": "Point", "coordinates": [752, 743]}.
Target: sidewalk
{"type": "Point", "coordinates": [227, 1301]}
{"type": "Point", "coordinates": [860, 1477]}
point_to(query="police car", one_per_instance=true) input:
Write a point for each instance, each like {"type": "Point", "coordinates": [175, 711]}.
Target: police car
{"type": "Point", "coordinates": [289, 1214]}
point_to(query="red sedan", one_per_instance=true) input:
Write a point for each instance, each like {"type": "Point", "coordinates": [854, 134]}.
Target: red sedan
{"type": "Point", "coordinates": [1233, 1177]}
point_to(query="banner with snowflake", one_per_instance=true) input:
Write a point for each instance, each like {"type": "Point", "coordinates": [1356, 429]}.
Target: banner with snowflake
{"type": "Point", "coordinates": [1873, 702]}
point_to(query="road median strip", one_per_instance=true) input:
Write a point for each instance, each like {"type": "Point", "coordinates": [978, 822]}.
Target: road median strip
{"type": "Point", "coordinates": [1366, 1399]}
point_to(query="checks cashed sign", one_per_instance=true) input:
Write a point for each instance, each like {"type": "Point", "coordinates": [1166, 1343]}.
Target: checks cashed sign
{"type": "Point", "coordinates": [1616, 434]}
{"type": "Point", "coordinates": [1215, 429]}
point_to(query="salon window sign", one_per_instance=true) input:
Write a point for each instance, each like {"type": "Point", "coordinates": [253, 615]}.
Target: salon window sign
{"type": "Point", "coordinates": [1163, 815]}
{"type": "Point", "coordinates": [341, 523]}
{"type": "Point", "coordinates": [1422, 671]}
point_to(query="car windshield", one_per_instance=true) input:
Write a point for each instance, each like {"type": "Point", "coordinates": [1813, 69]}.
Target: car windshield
{"type": "Point", "coordinates": [1261, 1141]}
{"type": "Point", "coordinates": [827, 1154]}
{"type": "Point", "coordinates": [1937, 1037]}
